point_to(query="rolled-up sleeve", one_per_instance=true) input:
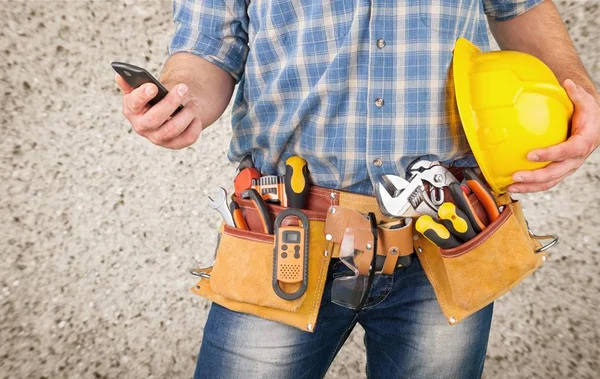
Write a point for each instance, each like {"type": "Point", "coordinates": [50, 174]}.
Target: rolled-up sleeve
{"type": "Point", "coordinates": [502, 10]}
{"type": "Point", "coordinates": [215, 30]}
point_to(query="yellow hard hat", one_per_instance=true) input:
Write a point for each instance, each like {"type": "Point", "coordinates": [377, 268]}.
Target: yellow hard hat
{"type": "Point", "coordinates": [509, 103]}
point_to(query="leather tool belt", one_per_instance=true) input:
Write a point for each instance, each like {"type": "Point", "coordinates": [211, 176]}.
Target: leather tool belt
{"type": "Point", "coordinates": [465, 279]}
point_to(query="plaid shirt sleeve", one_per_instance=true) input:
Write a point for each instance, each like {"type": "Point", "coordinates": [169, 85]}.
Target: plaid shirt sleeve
{"type": "Point", "coordinates": [215, 30]}
{"type": "Point", "coordinates": [502, 10]}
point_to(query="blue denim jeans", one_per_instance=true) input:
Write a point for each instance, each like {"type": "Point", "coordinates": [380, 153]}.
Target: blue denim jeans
{"type": "Point", "coordinates": [406, 336]}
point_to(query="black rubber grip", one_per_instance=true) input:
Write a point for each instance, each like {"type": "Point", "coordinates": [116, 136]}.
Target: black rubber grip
{"type": "Point", "coordinates": [463, 203]}
{"type": "Point", "coordinates": [261, 207]}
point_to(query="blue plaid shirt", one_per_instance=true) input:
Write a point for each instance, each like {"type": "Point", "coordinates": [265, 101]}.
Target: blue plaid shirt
{"type": "Point", "coordinates": [358, 88]}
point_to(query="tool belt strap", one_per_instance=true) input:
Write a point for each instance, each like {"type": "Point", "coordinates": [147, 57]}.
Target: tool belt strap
{"type": "Point", "coordinates": [350, 209]}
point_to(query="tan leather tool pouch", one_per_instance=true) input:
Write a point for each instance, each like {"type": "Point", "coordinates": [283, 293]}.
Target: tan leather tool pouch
{"type": "Point", "coordinates": [474, 274]}
{"type": "Point", "coordinates": [241, 276]}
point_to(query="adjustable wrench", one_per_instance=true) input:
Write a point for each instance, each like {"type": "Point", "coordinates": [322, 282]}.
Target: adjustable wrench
{"type": "Point", "coordinates": [409, 198]}
{"type": "Point", "coordinates": [220, 204]}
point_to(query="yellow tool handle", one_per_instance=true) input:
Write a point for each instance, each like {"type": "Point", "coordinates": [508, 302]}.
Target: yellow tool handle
{"type": "Point", "coordinates": [296, 182]}
{"type": "Point", "coordinates": [456, 221]}
{"type": "Point", "coordinates": [436, 232]}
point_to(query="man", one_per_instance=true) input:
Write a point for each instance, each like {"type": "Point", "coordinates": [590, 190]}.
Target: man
{"type": "Point", "coordinates": [359, 89]}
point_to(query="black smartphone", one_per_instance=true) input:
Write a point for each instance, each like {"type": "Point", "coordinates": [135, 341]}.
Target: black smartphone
{"type": "Point", "coordinates": [136, 76]}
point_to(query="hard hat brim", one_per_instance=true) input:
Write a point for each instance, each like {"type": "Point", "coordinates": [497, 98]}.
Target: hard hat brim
{"type": "Point", "coordinates": [464, 51]}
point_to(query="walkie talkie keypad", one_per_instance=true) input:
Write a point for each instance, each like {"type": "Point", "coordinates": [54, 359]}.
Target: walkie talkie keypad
{"type": "Point", "coordinates": [290, 266]}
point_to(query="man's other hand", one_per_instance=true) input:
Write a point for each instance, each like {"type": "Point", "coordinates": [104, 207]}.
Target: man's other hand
{"type": "Point", "coordinates": [155, 122]}
{"type": "Point", "coordinates": [568, 156]}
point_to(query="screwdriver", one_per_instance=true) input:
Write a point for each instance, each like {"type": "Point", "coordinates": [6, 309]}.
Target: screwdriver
{"type": "Point", "coordinates": [483, 194]}
{"type": "Point", "coordinates": [436, 232]}
{"type": "Point", "coordinates": [456, 221]}
{"type": "Point", "coordinates": [463, 203]}
{"type": "Point", "coordinates": [296, 182]}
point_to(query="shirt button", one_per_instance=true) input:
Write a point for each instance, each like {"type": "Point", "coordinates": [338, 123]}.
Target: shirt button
{"type": "Point", "coordinates": [379, 102]}
{"type": "Point", "coordinates": [381, 43]}
{"type": "Point", "coordinates": [377, 162]}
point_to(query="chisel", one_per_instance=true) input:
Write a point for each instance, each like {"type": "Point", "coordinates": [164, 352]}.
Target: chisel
{"type": "Point", "coordinates": [463, 203]}
{"type": "Point", "coordinates": [436, 232]}
{"type": "Point", "coordinates": [456, 221]}
{"type": "Point", "coordinates": [483, 194]}
{"type": "Point", "coordinates": [296, 182]}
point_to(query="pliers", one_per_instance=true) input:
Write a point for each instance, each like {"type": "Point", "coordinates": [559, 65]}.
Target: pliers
{"type": "Point", "coordinates": [421, 194]}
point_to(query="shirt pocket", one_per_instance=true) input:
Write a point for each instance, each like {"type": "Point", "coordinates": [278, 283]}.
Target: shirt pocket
{"type": "Point", "coordinates": [287, 25]}
{"type": "Point", "coordinates": [452, 18]}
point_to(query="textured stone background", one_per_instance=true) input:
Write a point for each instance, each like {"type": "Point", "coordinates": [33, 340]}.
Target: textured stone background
{"type": "Point", "coordinates": [99, 227]}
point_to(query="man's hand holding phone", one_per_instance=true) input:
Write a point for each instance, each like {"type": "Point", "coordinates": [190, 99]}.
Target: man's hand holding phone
{"type": "Point", "coordinates": [161, 123]}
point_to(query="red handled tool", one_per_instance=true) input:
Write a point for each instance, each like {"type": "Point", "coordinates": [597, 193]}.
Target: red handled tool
{"type": "Point", "coordinates": [271, 188]}
{"type": "Point", "coordinates": [261, 207]}
{"type": "Point", "coordinates": [463, 203]}
{"type": "Point", "coordinates": [244, 180]}
{"type": "Point", "coordinates": [482, 192]}
{"type": "Point", "coordinates": [238, 217]}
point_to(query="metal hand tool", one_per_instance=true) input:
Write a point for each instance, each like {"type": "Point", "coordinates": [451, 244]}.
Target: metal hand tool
{"type": "Point", "coordinates": [238, 216]}
{"type": "Point", "coordinates": [411, 198]}
{"type": "Point", "coordinates": [244, 180]}
{"type": "Point", "coordinates": [271, 188]}
{"type": "Point", "coordinates": [463, 203]}
{"type": "Point", "coordinates": [261, 207]}
{"type": "Point", "coordinates": [220, 204]}
{"type": "Point", "coordinates": [483, 194]}
{"type": "Point", "coordinates": [245, 163]}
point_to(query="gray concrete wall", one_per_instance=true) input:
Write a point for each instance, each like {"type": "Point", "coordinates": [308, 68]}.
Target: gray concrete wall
{"type": "Point", "coordinates": [99, 227]}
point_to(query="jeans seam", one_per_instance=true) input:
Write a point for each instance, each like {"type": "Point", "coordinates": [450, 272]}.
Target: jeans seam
{"type": "Point", "coordinates": [384, 296]}
{"type": "Point", "coordinates": [338, 346]}
{"type": "Point", "coordinates": [367, 373]}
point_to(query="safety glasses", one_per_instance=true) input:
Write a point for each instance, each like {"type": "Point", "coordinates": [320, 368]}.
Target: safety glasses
{"type": "Point", "coordinates": [358, 252]}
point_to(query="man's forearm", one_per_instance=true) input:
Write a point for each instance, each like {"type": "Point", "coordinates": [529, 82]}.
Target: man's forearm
{"type": "Point", "coordinates": [209, 87]}
{"type": "Point", "coordinates": [541, 32]}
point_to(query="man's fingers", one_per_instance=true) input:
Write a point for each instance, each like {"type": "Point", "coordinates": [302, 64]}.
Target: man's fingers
{"type": "Point", "coordinates": [187, 138]}
{"type": "Point", "coordinates": [135, 102]}
{"type": "Point", "coordinates": [552, 172]}
{"type": "Point", "coordinates": [174, 127]}
{"type": "Point", "coordinates": [574, 147]}
{"type": "Point", "coordinates": [159, 113]}
{"type": "Point", "coordinates": [578, 144]}
{"type": "Point", "coordinates": [123, 85]}
{"type": "Point", "coordinates": [532, 187]}
{"type": "Point", "coordinates": [581, 98]}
